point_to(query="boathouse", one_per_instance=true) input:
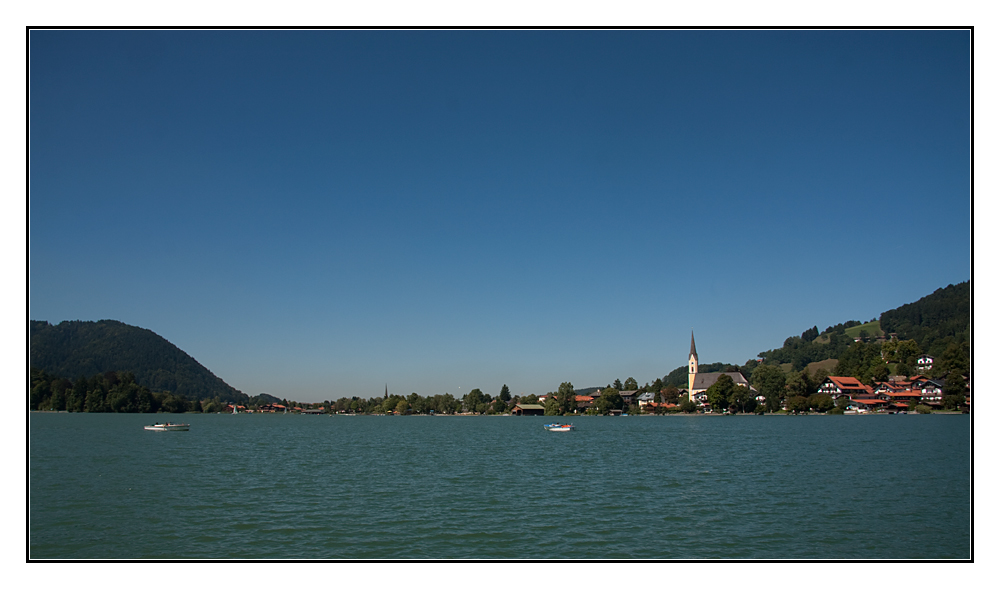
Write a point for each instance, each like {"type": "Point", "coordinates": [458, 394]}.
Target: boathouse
{"type": "Point", "coordinates": [528, 409]}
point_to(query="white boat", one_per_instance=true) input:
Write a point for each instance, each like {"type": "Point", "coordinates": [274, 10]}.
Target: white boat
{"type": "Point", "coordinates": [559, 427]}
{"type": "Point", "coordinates": [168, 427]}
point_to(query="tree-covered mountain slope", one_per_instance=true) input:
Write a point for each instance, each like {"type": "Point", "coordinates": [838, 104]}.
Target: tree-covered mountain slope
{"type": "Point", "coordinates": [935, 321]}
{"type": "Point", "coordinates": [939, 323]}
{"type": "Point", "coordinates": [83, 348]}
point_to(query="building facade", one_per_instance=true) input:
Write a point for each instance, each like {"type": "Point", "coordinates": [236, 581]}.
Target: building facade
{"type": "Point", "coordinates": [699, 382]}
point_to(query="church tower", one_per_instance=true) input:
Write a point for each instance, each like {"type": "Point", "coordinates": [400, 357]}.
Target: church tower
{"type": "Point", "coordinates": [692, 366]}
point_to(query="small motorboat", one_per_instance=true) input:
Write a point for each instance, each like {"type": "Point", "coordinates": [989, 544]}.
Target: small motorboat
{"type": "Point", "coordinates": [559, 427]}
{"type": "Point", "coordinates": [168, 427]}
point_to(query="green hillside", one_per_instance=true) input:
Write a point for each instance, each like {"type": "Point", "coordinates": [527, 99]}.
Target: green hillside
{"type": "Point", "coordinates": [939, 323]}
{"type": "Point", "coordinates": [872, 328]}
{"type": "Point", "coordinates": [936, 321]}
{"type": "Point", "coordinates": [73, 349]}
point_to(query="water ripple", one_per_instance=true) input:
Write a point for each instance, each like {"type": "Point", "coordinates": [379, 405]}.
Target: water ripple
{"type": "Point", "coordinates": [277, 486]}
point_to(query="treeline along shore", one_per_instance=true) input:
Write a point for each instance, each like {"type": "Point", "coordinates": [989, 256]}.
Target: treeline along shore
{"type": "Point", "coordinates": [119, 393]}
{"type": "Point", "coordinates": [916, 358]}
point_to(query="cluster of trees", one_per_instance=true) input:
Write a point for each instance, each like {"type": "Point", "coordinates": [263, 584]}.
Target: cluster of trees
{"type": "Point", "coordinates": [775, 386]}
{"type": "Point", "coordinates": [109, 392]}
{"type": "Point", "coordinates": [562, 401]}
{"type": "Point", "coordinates": [872, 362]}
{"type": "Point", "coordinates": [725, 395]}
{"type": "Point", "coordinates": [938, 324]}
{"type": "Point", "coordinates": [934, 322]}
{"type": "Point", "coordinates": [798, 388]}
{"type": "Point", "coordinates": [801, 350]}
{"type": "Point", "coordinates": [475, 401]}
{"type": "Point", "coordinates": [403, 404]}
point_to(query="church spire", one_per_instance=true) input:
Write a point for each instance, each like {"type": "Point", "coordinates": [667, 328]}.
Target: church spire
{"type": "Point", "coordinates": [692, 367]}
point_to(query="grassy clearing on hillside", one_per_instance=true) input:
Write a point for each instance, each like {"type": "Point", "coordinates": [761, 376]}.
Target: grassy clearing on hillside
{"type": "Point", "coordinates": [829, 364]}
{"type": "Point", "coordinates": [872, 328]}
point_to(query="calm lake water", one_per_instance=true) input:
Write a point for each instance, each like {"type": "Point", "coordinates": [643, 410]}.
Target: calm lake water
{"type": "Point", "coordinates": [335, 487]}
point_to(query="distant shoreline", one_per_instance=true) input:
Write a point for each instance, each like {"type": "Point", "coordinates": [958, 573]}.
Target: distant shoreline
{"type": "Point", "coordinates": [509, 415]}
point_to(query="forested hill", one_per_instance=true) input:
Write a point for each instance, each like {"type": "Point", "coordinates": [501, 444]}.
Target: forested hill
{"type": "Point", "coordinates": [73, 349]}
{"type": "Point", "coordinates": [939, 324]}
{"type": "Point", "coordinates": [935, 321]}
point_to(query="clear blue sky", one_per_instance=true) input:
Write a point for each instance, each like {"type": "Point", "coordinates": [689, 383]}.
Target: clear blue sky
{"type": "Point", "coordinates": [318, 214]}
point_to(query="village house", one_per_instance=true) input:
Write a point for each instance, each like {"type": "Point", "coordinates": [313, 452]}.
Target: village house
{"type": "Point", "coordinates": [869, 404]}
{"type": "Point", "coordinates": [931, 392]}
{"type": "Point", "coordinates": [901, 400]}
{"type": "Point", "coordinates": [583, 402]}
{"type": "Point", "coordinates": [925, 362]}
{"type": "Point", "coordinates": [652, 406]}
{"type": "Point", "coordinates": [840, 386]}
{"type": "Point", "coordinates": [271, 408]}
{"type": "Point", "coordinates": [628, 397]}
{"type": "Point", "coordinates": [896, 394]}
{"type": "Point", "coordinates": [888, 387]}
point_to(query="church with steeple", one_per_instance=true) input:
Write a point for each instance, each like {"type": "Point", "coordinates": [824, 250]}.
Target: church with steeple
{"type": "Point", "coordinates": [699, 382]}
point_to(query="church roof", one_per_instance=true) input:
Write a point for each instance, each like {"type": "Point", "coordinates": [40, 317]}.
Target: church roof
{"type": "Point", "coordinates": [703, 380]}
{"type": "Point", "coordinates": [694, 352]}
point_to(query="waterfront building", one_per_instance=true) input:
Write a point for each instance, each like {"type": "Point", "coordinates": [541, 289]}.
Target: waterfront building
{"type": "Point", "coordinates": [839, 386]}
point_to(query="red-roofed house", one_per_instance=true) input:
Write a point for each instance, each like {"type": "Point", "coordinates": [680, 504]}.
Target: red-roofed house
{"type": "Point", "coordinates": [889, 387]}
{"type": "Point", "coordinates": [652, 406]}
{"type": "Point", "coordinates": [931, 392]}
{"type": "Point", "coordinates": [903, 397]}
{"type": "Point", "coordinates": [839, 386]}
{"type": "Point", "coordinates": [869, 404]}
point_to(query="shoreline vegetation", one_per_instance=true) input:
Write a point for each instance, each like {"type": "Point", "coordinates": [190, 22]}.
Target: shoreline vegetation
{"type": "Point", "coordinates": [927, 340]}
{"type": "Point", "coordinates": [775, 414]}
{"type": "Point", "coordinates": [766, 390]}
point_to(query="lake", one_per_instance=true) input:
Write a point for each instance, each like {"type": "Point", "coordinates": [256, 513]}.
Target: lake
{"type": "Point", "coordinates": [273, 486]}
